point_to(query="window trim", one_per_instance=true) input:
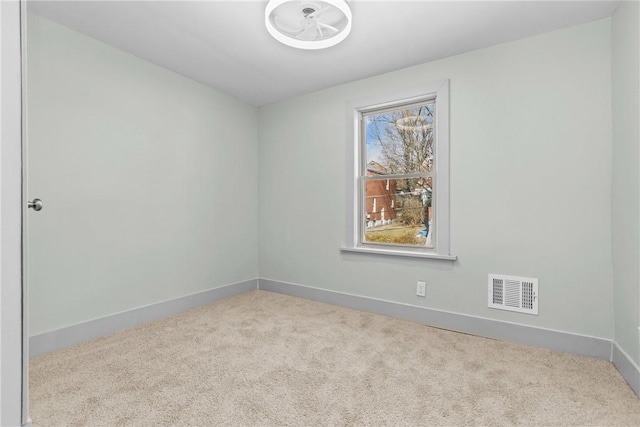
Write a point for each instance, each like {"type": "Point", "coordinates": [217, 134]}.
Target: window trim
{"type": "Point", "coordinates": [354, 162]}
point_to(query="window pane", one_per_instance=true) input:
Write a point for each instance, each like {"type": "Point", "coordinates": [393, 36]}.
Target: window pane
{"type": "Point", "coordinates": [398, 211]}
{"type": "Point", "coordinates": [400, 141]}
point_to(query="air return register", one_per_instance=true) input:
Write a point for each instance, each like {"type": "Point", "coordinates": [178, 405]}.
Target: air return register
{"type": "Point", "coordinates": [513, 293]}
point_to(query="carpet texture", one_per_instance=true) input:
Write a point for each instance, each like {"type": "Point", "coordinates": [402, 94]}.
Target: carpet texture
{"type": "Point", "coordinates": [268, 359]}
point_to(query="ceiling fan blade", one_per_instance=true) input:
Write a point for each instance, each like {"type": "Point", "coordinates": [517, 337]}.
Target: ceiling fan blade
{"type": "Point", "coordinates": [327, 27]}
{"type": "Point", "coordinates": [332, 16]}
{"type": "Point", "coordinates": [308, 35]}
{"type": "Point", "coordinates": [287, 25]}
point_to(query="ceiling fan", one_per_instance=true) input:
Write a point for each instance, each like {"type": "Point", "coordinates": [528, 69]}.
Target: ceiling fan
{"type": "Point", "coordinates": [308, 24]}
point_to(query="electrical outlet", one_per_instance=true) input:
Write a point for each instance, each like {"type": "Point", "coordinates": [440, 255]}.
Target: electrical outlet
{"type": "Point", "coordinates": [421, 289]}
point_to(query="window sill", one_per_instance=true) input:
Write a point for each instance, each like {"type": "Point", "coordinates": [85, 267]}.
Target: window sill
{"type": "Point", "coordinates": [399, 253]}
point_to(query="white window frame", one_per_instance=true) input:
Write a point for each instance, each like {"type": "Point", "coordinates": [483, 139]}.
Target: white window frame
{"type": "Point", "coordinates": [355, 157]}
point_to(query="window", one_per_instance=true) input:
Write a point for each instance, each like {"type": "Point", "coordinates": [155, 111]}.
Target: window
{"type": "Point", "coordinates": [398, 176]}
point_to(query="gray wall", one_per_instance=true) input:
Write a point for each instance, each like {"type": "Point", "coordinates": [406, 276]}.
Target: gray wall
{"type": "Point", "coordinates": [626, 180]}
{"type": "Point", "coordinates": [149, 181]}
{"type": "Point", "coordinates": [530, 183]}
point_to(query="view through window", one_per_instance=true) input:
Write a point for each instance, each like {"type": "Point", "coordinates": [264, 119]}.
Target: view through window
{"type": "Point", "coordinates": [398, 175]}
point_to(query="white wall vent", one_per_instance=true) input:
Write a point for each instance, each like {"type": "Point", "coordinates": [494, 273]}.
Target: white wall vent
{"type": "Point", "coordinates": [513, 293]}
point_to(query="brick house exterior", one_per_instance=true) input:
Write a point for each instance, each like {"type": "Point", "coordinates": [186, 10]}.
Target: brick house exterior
{"type": "Point", "coordinates": [380, 197]}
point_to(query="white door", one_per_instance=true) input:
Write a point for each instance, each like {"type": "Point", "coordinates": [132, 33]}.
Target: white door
{"type": "Point", "coordinates": [13, 336]}
{"type": "Point", "coordinates": [29, 207]}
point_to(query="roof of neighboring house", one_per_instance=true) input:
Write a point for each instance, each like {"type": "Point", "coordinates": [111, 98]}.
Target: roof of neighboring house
{"type": "Point", "coordinates": [376, 168]}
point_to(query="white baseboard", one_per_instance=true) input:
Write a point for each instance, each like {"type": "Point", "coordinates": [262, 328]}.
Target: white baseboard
{"type": "Point", "coordinates": [629, 370]}
{"type": "Point", "coordinates": [85, 331]}
{"type": "Point", "coordinates": [555, 340]}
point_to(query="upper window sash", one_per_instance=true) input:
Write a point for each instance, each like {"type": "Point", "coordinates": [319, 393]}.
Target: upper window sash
{"type": "Point", "coordinates": [386, 107]}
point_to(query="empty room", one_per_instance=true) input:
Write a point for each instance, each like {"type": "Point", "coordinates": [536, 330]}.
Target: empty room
{"type": "Point", "coordinates": [332, 212]}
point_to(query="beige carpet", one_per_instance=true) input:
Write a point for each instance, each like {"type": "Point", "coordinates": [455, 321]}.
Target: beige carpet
{"type": "Point", "coordinates": [268, 359]}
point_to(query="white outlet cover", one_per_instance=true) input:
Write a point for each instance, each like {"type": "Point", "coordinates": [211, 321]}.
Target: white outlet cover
{"type": "Point", "coordinates": [421, 289]}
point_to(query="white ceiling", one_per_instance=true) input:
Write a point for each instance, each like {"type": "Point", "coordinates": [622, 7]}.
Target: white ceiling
{"type": "Point", "coordinates": [224, 44]}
